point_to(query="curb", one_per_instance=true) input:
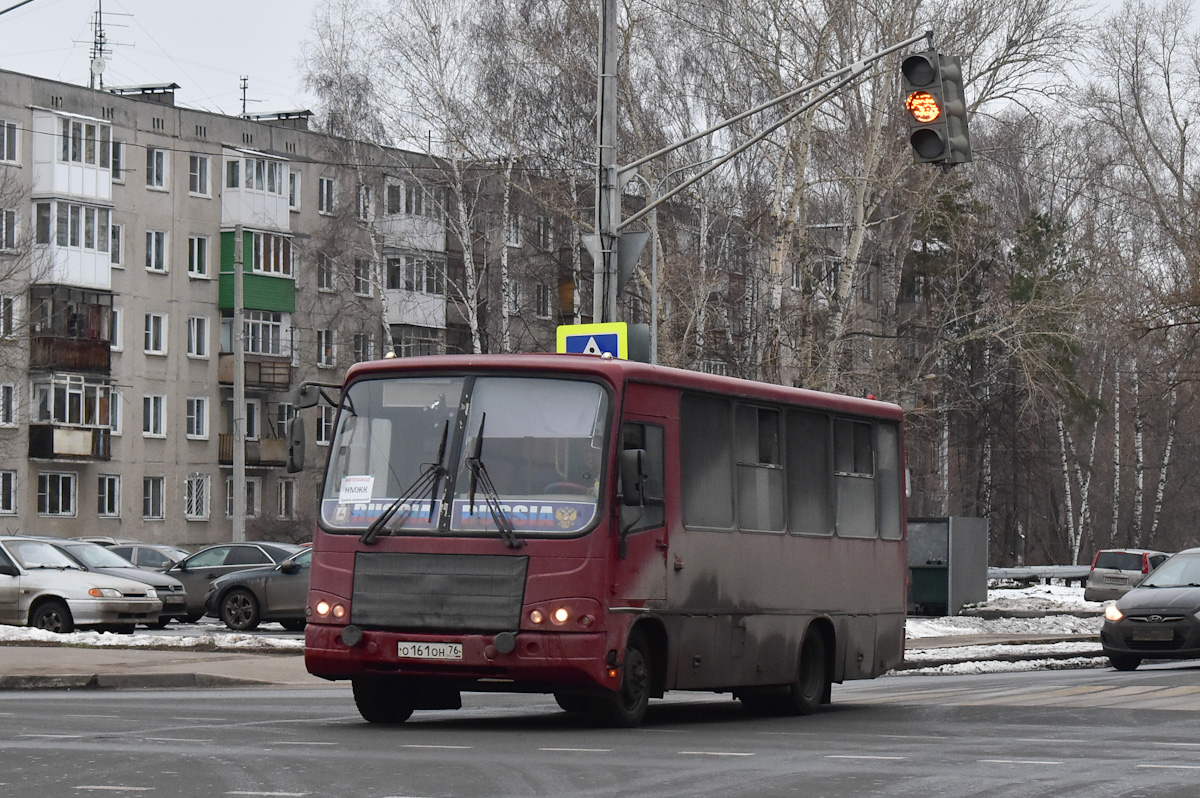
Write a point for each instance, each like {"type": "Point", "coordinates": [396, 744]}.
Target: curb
{"type": "Point", "coordinates": [909, 665]}
{"type": "Point", "coordinates": [124, 681]}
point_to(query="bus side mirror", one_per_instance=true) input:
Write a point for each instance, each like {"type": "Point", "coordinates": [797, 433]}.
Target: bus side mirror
{"type": "Point", "coordinates": [307, 396]}
{"type": "Point", "coordinates": [633, 477]}
{"type": "Point", "coordinates": [295, 446]}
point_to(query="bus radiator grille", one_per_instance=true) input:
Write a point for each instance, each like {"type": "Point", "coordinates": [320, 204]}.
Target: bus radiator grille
{"type": "Point", "coordinates": [440, 592]}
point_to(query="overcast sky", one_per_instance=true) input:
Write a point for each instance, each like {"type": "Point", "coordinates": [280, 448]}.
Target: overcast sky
{"type": "Point", "coordinates": [203, 45]}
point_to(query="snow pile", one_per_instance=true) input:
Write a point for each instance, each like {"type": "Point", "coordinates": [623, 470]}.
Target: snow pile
{"type": "Point", "coordinates": [1046, 598]}
{"type": "Point", "coordinates": [204, 640]}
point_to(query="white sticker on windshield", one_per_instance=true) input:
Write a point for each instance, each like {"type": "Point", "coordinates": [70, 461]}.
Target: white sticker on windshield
{"type": "Point", "coordinates": [356, 489]}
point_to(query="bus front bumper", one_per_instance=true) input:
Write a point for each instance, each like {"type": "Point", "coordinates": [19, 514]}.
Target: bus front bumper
{"type": "Point", "coordinates": [539, 661]}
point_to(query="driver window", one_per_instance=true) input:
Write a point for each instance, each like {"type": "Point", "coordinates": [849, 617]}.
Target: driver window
{"type": "Point", "coordinates": [648, 437]}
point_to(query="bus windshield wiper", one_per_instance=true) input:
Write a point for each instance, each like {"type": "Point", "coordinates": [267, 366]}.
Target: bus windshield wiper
{"type": "Point", "coordinates": [430, 477]}
{"type": "Point", "coordinates": [481, 478]}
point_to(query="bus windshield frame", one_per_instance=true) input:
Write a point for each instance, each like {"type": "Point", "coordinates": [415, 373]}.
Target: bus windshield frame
{"type": "Point", "coordinates": [404, 445]}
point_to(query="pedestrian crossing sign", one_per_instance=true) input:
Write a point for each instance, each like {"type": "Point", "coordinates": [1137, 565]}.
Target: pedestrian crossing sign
{"type": "Point", "coordinates": [611, 338]}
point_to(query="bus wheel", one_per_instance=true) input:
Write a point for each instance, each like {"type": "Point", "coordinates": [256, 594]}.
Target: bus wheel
{"type": "Point", "coordinates": [812, 683]}
{"type": "Point", "coordinates": [382, 700]}
{"type": "Point", "coordinates": [626, 707]}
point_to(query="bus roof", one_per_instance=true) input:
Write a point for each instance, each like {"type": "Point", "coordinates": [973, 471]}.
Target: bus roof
{"type": "Point", "coordinates": [619, 371]}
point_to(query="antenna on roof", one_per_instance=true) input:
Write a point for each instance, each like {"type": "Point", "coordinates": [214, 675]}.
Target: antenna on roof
{"type": "Point", "coordinates": [245, 84]}
{"type": "Point", "coordinates": [100, 49]}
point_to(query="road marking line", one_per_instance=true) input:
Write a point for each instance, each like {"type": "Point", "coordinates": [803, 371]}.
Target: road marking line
{"type": "Point", "coordinates": [300, 742]}
{"type": "Point", "coordinates": [281, 794]}
{"type": "Point", "coordinates": [174, 740]}
{"type": "Point", "coordinates": [1171, 767]}
{"type": "Point", "coordinates": [1019, 761]}
{"type": "Point", "coordinates": [580, 750]}
{"type": "Point", "coordinates": [54, 736]}
{"type": "Point", "coordinates": [446, 747]}
{"type": "Point", "coordinates": [1183, 745]}
{"type": "Point", "coordinates": [112, 788]}
{"type": "Point", "coordinates": [1046, 740]}
{"type": "Point", "coordinates": [860, 756]}
{"type": "Point", "coordinates": [713, 753]}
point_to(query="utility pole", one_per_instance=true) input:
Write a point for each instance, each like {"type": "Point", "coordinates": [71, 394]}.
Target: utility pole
{"type": "Point", "coordinates": [239, 392]}
{"type": "Point", "coordinates": [608, 193]}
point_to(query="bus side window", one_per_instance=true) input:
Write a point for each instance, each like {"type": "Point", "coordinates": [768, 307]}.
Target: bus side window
{"type": "Point", "coordinates": [649, 438]}
{"type": "Point", "coordinates": [854, 478]}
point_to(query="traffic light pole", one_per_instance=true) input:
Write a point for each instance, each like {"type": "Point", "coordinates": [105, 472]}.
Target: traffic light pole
{"type": "Point", "coordinates": [606, 245]}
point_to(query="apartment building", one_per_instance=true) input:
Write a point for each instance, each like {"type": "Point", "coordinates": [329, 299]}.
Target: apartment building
{"type": "Point", "coordinates": [119, 213]}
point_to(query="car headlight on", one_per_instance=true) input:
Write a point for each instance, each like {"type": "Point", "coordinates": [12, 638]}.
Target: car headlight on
{"type": "Point", "coordinates": [104, 592]}
{"type": "Point", "coordinates": [1111, 613]}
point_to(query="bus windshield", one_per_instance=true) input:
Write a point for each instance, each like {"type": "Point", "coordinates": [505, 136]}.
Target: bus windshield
{"type": "Point", "coordinates": [541, 448]}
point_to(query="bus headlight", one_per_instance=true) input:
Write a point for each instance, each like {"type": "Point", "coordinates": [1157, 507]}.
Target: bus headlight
{"type": "Point", "coordinates": [560, 616]}
{"type": "Point", "coordinates": [326, 610]}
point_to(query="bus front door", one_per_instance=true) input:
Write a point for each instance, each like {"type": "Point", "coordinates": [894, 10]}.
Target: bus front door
{"type": "Point", "coordinates": [640, 572]}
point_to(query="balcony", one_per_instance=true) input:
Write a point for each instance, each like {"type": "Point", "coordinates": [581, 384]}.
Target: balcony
{"type": "Point", "coordinates": [262, 452]}
{"type": "Point", "coordinates": [268, 375]}
{"type": "Point", "coordinates": [50, 442]}
{"type": "Point", "coordinates": [55, 353]}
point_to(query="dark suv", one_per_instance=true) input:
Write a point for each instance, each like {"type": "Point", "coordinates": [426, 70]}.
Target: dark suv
{"type": "Point", "coordinates": [1117, 571]}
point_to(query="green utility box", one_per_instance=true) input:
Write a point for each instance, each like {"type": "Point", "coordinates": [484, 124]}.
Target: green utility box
{"type": "Point", "coordinates": [947, 564]}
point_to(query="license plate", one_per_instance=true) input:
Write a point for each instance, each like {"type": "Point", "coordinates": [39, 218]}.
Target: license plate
{"type": "Point", "coordinates": [1153, 635]}
{"type": "Point", "coordinates": [1115, 580]}
{"type": "Point", "coordinates": [430, 651]}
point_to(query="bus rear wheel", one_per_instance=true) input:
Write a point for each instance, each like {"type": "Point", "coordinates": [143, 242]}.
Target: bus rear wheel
{"type": "Point", "coordinates": [382, 700]}
{"type": "Point", "coordinates": [626, 706]}
{"type": "Point", "coordinates": [807, 693]}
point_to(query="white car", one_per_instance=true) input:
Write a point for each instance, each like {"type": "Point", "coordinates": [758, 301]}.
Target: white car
{"type": "Point", "coordinates": [40, 586]}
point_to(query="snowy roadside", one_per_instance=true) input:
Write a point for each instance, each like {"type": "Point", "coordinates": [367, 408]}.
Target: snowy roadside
{"type": "Point", "coordinates": [1066, 614]}
{"type": "Point", "coordinates": [1037, 611]}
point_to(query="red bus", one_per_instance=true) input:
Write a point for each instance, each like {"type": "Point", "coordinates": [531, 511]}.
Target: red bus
{"type": "Point", "coordinates": [605, 531]}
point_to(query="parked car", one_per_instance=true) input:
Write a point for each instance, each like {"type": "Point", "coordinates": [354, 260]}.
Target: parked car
{"type": "Point", "coordinates": [245, 599]}
{"type": "Point", "coordinates": [41, 586]}
{"type": "Point", "coordinates": [198, 570]}
{"type": "Point", "coordinates": [1158, 619]}
{"type": "Point", "coordinates": [1117, 571]}
{"type": "Point", "coordinates": [158, 556]}
{"type": "Point", "coordinates": [104, 540]}
{"type": "Point", "coordinates": [101, 560]}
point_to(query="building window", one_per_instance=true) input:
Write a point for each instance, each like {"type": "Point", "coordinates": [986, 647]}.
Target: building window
{"type": "Point", "coordinates": [117, 342]}
{"type": "Point", "coordinates": [198, 256]}
{"type": "Point", "coordinates": [325, 416]}
{"type": "Point", "coordinates": [195, 496]}
{"type": "Point", "coordinates": [154, 341]}
{"type": "Point", "coordinates": [513, 236]}
{"type": "Point", "coordinates": [153, 508]}
{"type": "Point", "coordinates": [325, 272]}
{"type": "Point", "coordinates": [8, 316]}
{"type": "Point", "coordinates": [420, 274]}
{"type": "Point", "coordinates": [362, 276]}
{"type": "Point", "coordinates": [252, 418]}
{"type": "Point", "coordinates": [85, 142]}
{"type": "Point", "coordinates": [542, 294]}
{"type": "Point", "coordinates": [198, 174]}
{"type": "Point", "coordinates": [43, 214]}
{"type": "Point", "coordinates": [293, 190]}
{"type": "Point", "coordinates": [71, 400]}
{"type": "Point", "coordinates": [8, 405]}
{"type": "Point", "coordinates": [325, 348]}
{"type": "Point", "coordinates": [325, 189]}
{"type": "Point", "coordinates": [114, 413]}
{"type": "Point", "coordinates": [8, 141]}
{"type": "Point", "coordinates": [258, 174]}
{"type": "Point", "coordinates": [414, 341]}
{"type": "Point", "coordinates": [118, 161]}
{"type": "Point", "coordinates": [108, 496]}
{"type": "Point", "coordinates": [545, 233]}
{"type": "Point", "coordinates": [156, 168]}
{"type": "Point", "coordinates": [271, 254]}
{"type": "Point", "coordinates": [56, 494]}
{"type": "Point", "coordinates": [364, 346]}
{"type": "Point", "coordinates": [364, 203]}
{"type": "Point", "coordinates": [8, 229]}
{"type": "Point", "coordinates": [285, 413]}
{"type": "Point", "coordinates": [287, 498]}
{"type": "Point", "coordinates": [156, 250]}
{"type": "Point", "coordinates": [263, 332]}
{"type": "Point", "coordinates": [197, 336]}
{"type": "Point", "coordinates": [197, 417]}
{"type": "Point", "coordinates": [76, 226]}
{"type": "Point", "coordinates": [8, 492]}
{"type": "Point", "coordinates": [253, 497]}
{"type": "Point", "coordinates": [116, 247]}
{"type": "Point", "coordinates": [154, 420]}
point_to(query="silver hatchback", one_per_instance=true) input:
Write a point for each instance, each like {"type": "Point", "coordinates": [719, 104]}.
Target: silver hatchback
{"type": "Point", "coordinates": [1117, 571]}
{"type": "Point", "coordinates": [40, 586]}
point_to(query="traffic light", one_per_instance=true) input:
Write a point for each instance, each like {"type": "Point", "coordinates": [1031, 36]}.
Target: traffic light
{"type": "Point", "coordinates": [933, 97]}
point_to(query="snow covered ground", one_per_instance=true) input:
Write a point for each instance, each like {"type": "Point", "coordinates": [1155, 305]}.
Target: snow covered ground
{"type": "Point", "coordinates": [926, 636]}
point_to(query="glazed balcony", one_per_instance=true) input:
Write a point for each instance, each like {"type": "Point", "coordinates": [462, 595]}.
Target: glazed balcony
{"type": "Point", "coordinates": [54, 442]}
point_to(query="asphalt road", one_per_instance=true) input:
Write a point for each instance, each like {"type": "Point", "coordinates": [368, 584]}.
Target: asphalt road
{"type": "Point", "coordinates": [1091, 733]}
